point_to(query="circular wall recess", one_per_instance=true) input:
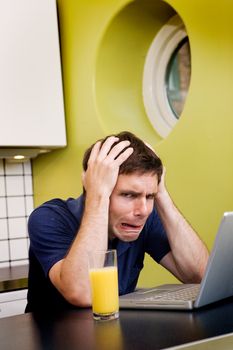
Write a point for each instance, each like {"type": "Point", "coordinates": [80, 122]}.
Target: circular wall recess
{"type": "Point", "coordinates": [120, 60]}
{"type": "Point", "coordinates": [155, 94]}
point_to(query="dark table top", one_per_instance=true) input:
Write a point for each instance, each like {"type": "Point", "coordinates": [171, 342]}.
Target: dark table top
{"type": "Point", "coordinates": [136, 330]}
{"type": "Point", "coordinates": [13, 278]}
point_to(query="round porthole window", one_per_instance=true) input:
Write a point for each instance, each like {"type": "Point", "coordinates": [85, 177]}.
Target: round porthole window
{"type": "Point", "coordinates": [166, 77]}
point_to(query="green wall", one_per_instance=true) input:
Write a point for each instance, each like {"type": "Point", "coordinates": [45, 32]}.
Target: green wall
{"type": "Point", "coordinates": [103, 46]}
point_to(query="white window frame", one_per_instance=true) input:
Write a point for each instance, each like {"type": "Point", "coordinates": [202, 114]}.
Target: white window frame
{"type": "Point", "coordinates": [155, 97]}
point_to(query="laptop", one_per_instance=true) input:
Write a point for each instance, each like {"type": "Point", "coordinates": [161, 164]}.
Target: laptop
{"type": "Point", "coordinates": [217, 283]}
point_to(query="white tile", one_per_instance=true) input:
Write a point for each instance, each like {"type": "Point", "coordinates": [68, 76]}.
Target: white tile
{"type": "Point", "coordinates": [14, 168]}
{"type": "Point", "coordinates": [2, 207]}
{"type": "Point", "coordinates": [19, 263]}
{"type": "Point", "coordinates": [17, 227]}
{"type": "Point", "coordinates": [14, 186]}
{"type": "Point", "coordinates": [5, 264]}
{"type": "Point", "coordinates": [3, 229]}
{"type": "Point", "coordinates": [27, 167]}
{"type": "Point", "coordinates": [2, 186]}
{"type": "Point", "coordinates": [29, 205]}
{"type": "Point", "coordinates": [1, 167]}
{"type": "Point", "coordinates": [16, 206]}
{"type": "Point", "coordinates": [18, 249]}
{"type": "Point", "coordinates": [4, 253]}
{"type": "Point", "coordinates": [28, 185]}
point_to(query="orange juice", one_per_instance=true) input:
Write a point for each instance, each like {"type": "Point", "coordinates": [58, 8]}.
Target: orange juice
{"type": "Point", "coordinates": [104, 284]}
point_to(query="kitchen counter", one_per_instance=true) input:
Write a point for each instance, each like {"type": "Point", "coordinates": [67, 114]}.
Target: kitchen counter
{"type": "Point", "coordinates": [13, 278]}
{"type": "Point", "coordinates": [134, 330]}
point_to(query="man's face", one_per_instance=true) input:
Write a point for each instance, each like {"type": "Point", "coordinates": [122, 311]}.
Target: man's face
{"type": "Point", "coordinates": [131, 203]}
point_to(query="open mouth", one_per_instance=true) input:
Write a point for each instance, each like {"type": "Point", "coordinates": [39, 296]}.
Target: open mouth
{"type": "Point", "coordinates": [128, 226]}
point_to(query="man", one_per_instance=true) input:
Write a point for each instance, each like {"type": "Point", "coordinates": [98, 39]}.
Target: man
{"type": "Point", "coordinates": [125, 206]}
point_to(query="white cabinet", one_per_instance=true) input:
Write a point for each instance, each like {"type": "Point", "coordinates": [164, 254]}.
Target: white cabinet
{"type": "Point", "coordinates": [31, 93]}
{"type": "Point", "coordinates": [13, 303]}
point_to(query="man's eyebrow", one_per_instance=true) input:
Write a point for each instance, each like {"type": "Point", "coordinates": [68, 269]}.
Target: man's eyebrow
{"type": "Point", "coordinates": [130, 191]}
{"type": "Point", "coordinates": [137, 193]}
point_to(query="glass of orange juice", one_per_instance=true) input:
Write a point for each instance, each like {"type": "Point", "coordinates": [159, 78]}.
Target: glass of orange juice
{"type": "Point", "coordinates": [104, 284]}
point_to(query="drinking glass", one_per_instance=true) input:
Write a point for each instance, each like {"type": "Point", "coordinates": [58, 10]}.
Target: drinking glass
{"type": "Point", "coordinates": [104, 284]}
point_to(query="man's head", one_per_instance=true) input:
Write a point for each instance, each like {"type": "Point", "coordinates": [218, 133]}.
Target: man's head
{"type": "Point", "coordinates": [132, 198]}
{"type": "Point", "coordinates": [143, 159]}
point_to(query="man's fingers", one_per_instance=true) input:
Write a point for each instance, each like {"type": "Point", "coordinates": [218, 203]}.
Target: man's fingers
{"type": "Point", "coordinates": [83, 179]}
{"type": "Point", "coordinates": [106, 146]}
{"type": "Point", "coordinates": [123, 156]}
{"type": "Point", "coordinates": [117, 149]}
{"type": "Point", "coordinates": [94, 152]}
{"type": "Point", "coordinates": [108, 152]}
{"type": "Point", "coordinates": [163, 174]}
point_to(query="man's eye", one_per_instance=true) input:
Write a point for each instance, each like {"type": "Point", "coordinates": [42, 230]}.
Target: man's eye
{"type": "Point", "coordinates": [151, 197]}
{"type": "Point", "coordinates": [127, 195]}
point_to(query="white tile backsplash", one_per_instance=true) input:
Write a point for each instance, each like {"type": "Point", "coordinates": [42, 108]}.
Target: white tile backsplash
{"type": "Point", "coordinates": [2, 186]}
{"type": "Point", "coordinates": [13, 168]}
{"type": "Point", "coordinates": [4, 251]}
{"type": "Point", "coordinates": [29, 205]}
{"type": "Point", "coordinates": [17, 227]}
{"type": "Point", "coordinates": [3, 229]}
{"type": "Point", "coordinates": [15, 185]}
{"type": "Point", "coordinates": [27, 168]}
{"type": "Point", "coordinates": [28, 185]}
{"type": "Point", "coordinates": [16, 204]}
{"type": "Point", "coordinates": [18, 248]}
{"type": "Point", "coordinates": [5, 264]}
{"type": "Point", "coordinates": [18, 262]}
{"type": "Point", "coordinates": [2, 207]}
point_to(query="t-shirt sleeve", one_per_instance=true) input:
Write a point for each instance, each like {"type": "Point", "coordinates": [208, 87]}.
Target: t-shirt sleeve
{"type": "Point", "coordinates": [156, 242]}
{"type": "Point", "coordinates": [51, 234]}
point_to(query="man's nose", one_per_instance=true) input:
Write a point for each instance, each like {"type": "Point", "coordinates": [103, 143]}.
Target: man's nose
{"type": "Point", "coordinates": [141, 207]}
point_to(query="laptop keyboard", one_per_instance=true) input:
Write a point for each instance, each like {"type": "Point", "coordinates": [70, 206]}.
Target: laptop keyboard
{"type": "Point", "coordinates": [186, 293]}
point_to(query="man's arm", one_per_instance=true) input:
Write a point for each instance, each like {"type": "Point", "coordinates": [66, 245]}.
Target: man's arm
{"type": "Point", "coordinates": [188, 257]}
{"type": "Point", "coordinates": [70, 275]}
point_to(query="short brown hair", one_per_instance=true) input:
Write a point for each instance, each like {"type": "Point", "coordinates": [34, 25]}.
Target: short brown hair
{"type": "Point", "coordinates": [142, 160]}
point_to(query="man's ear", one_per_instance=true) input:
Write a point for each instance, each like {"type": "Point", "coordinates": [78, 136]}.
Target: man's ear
{"type": "Point", "coordinates": [83, 179]}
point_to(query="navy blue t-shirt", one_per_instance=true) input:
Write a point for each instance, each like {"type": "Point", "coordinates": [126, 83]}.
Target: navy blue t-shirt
{"type": "Point", "coordinates": [52, 228]}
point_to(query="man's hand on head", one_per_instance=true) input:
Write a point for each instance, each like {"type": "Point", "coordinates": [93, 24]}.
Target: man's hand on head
{"type": "Point", "coordinates": [103, 165]}
{"type": "Point", "coordinates": [162, 186]}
